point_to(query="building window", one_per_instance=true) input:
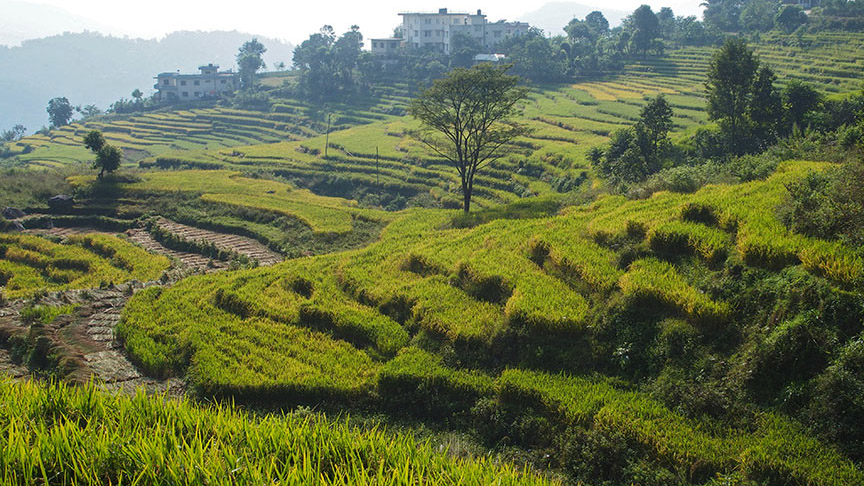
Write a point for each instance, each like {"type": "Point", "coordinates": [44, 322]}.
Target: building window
{"type": "Point", "coordinates": [427, 33]}
{"type": "Point", "coordinates": [197, 83]}
{"type": "Point", "coordinates": [197, 94]}
{"type": "Point", "coordinates": [166, 83]}
{"type": "Point", "coordinates": [182, 83]}
{"type": "Point", "coordinates": [222, 81]}
{"type": "Point", "coordinates": [428, 21]}
{"type": "Point", "coordinates": [416, 33]}
{"type": "Point", "coordinates": [185, 94]}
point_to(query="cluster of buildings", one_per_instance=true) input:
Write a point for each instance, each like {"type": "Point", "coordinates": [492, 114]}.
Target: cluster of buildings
{"type": "Point", "coordinates": [435, 30]}
{"type": "Point", "coordinates": [419, 31]}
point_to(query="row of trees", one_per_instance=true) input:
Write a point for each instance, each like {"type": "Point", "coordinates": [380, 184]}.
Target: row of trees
{"type": "Point", "coordinates": [750, 111]}
{"type": "Point", "coordinates": [330, 66]}
{"type": "Point", "coordinates": [752, 15]}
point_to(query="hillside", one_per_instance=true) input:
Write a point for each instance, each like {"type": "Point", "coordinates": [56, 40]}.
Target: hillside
{"type": "Point", "coordinates": [653, 337]}
{"type": "Point", "coordinates": [90, 68]}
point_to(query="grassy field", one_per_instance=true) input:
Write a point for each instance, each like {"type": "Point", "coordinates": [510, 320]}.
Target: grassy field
{"type": "Point", "coordinates": [54, 434]}
{"type": "Point", "coordinates": [32, 264]}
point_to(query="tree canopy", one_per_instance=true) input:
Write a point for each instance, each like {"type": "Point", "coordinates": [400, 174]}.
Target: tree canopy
{"type": "Point", "coordinates": [467, 118]}
{"type": "Point", "coordinates": [59, 111]}
{"type": "Point", "coordinates": [250, 61]}
{"type": "Point", "coordinates": [108, 157]}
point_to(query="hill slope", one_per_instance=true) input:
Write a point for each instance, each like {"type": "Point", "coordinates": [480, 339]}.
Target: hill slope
{"type": "Point", "coordinates": [90, 68]}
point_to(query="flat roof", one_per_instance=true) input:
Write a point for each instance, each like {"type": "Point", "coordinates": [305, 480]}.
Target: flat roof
{"type": "Point", "coordinates": [441, 13]}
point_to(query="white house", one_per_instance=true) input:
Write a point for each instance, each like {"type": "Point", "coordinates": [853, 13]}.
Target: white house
{"type": "Point", "coordinates": [209, 83]}
{"type": "Point", "coordinates": [422, 30]}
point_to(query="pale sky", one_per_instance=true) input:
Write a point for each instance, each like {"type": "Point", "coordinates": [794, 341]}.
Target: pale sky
{"type": "Point", "coordinates": [290, 20]}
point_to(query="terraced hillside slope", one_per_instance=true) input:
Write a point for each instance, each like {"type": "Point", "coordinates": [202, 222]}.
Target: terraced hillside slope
{"type": "Point", "coordinates": [31, 264]}
{"type": "Point", "coordinates": [508, 305]}
{"type": "Point", "coordinates": [680, 339]}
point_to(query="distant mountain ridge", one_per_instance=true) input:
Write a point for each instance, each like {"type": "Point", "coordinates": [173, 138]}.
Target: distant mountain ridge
{"type": "Point", "coordinates": [91, 68]}
{"type": "Point", "coordinates": [553, 16]}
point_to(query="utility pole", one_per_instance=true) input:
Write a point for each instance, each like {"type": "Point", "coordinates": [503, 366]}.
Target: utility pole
{"type": "Point", "coordinates": [327, 137]}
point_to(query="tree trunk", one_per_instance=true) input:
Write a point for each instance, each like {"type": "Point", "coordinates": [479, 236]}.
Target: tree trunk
{"type": "Point", "coordinates": [466, 198]}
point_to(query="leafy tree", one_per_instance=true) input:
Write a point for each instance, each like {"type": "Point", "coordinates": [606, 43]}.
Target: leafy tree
{"type": "Point", "coordinates": [94, 141]}
{"type": "Point", "coordinates": [758, 15]}
{"type": "Point", "coordinates": [137, 95]}
{"type": "Point", "coordinates": [656, 122]}
{"type": "Point", "coordinates": [59, 111]}
{"type": "Point", "coordinates": [644, 30]}
{"type": "Point", "coordinates": [597, 23]}
{"type": "Point", "coordinates": [329, 66]}
{"type": "Point", "coordinates": [535, 57]}
{"type": "Point", "coordinates": [790, 17]}
{"type": "Point", "coordinates": [346, 52]}
{"type": "Point", "coordinates": [463, 48]}
{"type": "Point", "coordinates": [635, 153]}
{"type": "Point", "coordinates": [799, 100]}
{"type": "Point", "coordinates": [108, 157]}
{"type": "Point", "coordinates": [731, 73]}
{"type": "Point", "coordinates": [13, 134]}
{"type": "Point", "coordinates": [467, 118]}
{"type": "Point", "coordinates": [250, 61]}
{"type": "Point", "coordinates": [723, 15]}
{"type": "Point", "coordinates": [666, 20]}
{"type": "Point", "coordinates": [280, 66]}
{"type": "Point", "coordinates": [314, 59]}
{"type": "Point", "coordinates": [90, 110]}
{"type": "Point", "coordinates": [766, 108]}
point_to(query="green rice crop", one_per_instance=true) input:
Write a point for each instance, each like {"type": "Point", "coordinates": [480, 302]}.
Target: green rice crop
{"type": "Point", "coordinates": [32, 264]}
{"type": "Point", "coordinates": [62, 435]}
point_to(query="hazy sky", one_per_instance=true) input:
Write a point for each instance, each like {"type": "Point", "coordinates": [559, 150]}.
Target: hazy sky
{"type": "Point", "coordinates": [291, 20]}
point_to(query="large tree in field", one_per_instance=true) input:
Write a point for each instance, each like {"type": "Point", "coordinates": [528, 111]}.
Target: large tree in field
{"type": "Point", "coordinates": [730, 87]}
{"type": "Point", "coordinates": [59, 111]}
{"type": "Point", "coordinates": [108, 157]}
{"type": "Point", "coordinates": [467, 118]}
{"type": "Point", "coordinates": [249, 61]}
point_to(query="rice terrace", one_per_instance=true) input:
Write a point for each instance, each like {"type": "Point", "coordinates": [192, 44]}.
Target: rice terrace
{"type": "Point", "coordinates": [623, 251]}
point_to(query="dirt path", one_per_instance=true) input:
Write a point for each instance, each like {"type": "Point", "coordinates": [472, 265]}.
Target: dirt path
{"type": "Point", "coordinates": [64, 232]}
{"type": "Point", "coordinates": [84, 340]}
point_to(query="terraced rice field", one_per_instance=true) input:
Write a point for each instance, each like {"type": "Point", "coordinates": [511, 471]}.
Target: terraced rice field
{"type": "Point", "coordinates": [176, 442]}
{"type": "Point", "coordinates": [338, 327]}
{"type": "Point", "coordinates": [231, 243]}
{"type": "Point", "coordinates": [32, 264]}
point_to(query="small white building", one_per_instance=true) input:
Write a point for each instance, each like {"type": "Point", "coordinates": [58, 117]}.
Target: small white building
{"type": "Point", "coordinates": [386, 47]}
{"type": "Point", "coordinates": [209, 83]}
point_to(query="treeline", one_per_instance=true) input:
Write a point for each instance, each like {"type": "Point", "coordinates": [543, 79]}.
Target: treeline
{"type": "Point", "coordinates": [750, 114]}
{"type": "Point", "coordinates": [748, 16]}
{"type": "Point", "coordinates": [331, 66]}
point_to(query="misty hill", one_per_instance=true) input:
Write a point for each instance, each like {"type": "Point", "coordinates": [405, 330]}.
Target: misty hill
{"type": "Point", "coordinates": [553, 16]}
{"type": "Point", "coordinates": [91, 68]}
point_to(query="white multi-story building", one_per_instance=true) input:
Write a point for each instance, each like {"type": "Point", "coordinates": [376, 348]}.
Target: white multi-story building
{"type": "Point", "coordinates": [434, 31]}
{"type": "Point", "coordinates": [210, 83]}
